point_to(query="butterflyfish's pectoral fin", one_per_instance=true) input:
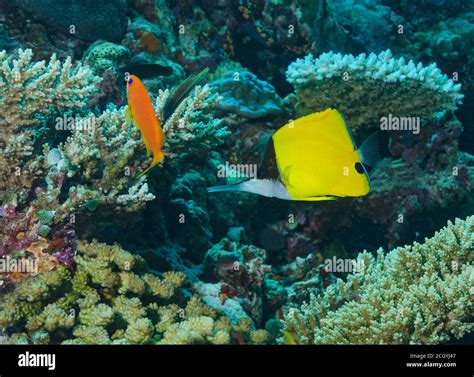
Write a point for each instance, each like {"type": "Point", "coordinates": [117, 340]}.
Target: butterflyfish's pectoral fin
{"type": "Point", "coordinates": [286, 177]}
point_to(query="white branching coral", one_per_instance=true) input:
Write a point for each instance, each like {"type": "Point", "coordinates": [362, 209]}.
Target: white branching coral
{"type": "Point", "coordinates": [418, 294]}
{"type": "Point", "coordinates": [365, 88]}
{"type": "Point", "coordinates": [192, 125]}
{"type": "Point", "coordinates": [29, 92]}
{"type": "Point", "coordinates": [103, 158]}
{"type": "Point", "coordinates": [29, 89]}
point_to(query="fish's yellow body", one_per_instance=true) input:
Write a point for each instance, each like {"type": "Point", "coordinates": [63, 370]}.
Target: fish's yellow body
{"type": "Point", "coordinates": [316, 158]}
{"type": "Point", "coordinates": [312, 158]}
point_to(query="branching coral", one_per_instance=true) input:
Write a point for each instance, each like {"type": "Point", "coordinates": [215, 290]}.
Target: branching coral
{"type": "Point", "coordinates": [32, 88]}
{"type": "Point", "coordinates": [102, 160]}
{"type": "Point", "coordinates": [111, 298]}
{"type": "Point", "coordinates": [421, 293]}
{"type": "Point", "coordinates": [31, 91]}
{"type": "Point", "coordinates": [192, 126]}
{"type": "Point", "coordinates": [365, 88]}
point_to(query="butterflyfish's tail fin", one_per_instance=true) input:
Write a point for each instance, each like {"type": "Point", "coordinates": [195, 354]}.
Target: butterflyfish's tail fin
{"type": "Point", "coordinates": [369, 151]}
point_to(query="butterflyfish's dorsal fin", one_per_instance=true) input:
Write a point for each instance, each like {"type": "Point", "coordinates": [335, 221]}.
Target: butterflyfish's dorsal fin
{"type": "Point", "coordinates": [180, 93]}
{"type": "Point", "coordinates": [328, 125]}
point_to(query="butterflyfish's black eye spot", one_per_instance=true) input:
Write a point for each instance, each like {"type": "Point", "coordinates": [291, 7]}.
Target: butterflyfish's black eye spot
{"type": "Point", "coordinates": [359, 168]}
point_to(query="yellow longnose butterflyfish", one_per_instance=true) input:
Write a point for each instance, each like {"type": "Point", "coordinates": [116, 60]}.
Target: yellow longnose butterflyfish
{"type": "Point", "coordinates": [312, 158]}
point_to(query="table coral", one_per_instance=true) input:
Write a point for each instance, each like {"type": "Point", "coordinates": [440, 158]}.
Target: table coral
{"type": "Point", "coordinates": [417, 294]}
{"type": "Point", "coordinates": [366, 88]}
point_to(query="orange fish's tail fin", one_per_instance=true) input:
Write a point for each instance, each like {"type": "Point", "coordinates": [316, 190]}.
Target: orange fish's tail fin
{"type": "Point", "coordinates": [157, 158]}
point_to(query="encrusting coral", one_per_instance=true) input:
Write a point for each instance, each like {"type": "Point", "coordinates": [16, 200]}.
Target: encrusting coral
{"type": "Point", "coordinates": [418, 294]}
{"type": "Point", "coordinates": [243, 94]}
{"type": "Point", "coordinates": [366, 88]}
{"type": "Point", "coordinates": [112, 299]}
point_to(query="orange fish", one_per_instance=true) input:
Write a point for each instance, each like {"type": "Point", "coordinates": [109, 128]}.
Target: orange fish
{"type": "Point", "coordinates": [141, 113]}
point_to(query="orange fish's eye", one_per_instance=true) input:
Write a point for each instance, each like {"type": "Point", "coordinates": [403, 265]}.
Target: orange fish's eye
{"type": "Point", "coordinates": [130, 81]}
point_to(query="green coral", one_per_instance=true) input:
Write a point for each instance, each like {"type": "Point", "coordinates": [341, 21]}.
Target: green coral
{"type": "Point", "coordinates": [418, 294]}
{"type": "Point", "coordinates": [112, 299]}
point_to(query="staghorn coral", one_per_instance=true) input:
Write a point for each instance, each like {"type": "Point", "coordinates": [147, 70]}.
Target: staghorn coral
{"type": "Point", "coordinates": [100, 303]}
{"type": "Point", "coordinates": [418, 294]}
{"type": "Point", "coordinates": [366, 88]}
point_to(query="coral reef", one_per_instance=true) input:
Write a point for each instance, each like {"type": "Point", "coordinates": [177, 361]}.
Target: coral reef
{"type": "Point", "coordinates": [105, 55]}
{"type": "Point", "coordinates": [418, 294]}
{"type": "Point", "coordinates": [367, 88]}
{"type": "Point", "coordinates": [92, 20]}
{"type": "Point", "coordinates": [71, 204]}
{"type": "Point", "coordinates": [32, 91]}
{"type": "Point", "coordinates": [240, 271]}
{"type": "Point", "coordinates": [112, 299]}
{"type": "Point", "coordinates": [378, 34]}
{"type": "Point", "coordinates": [192, 127]}
{"type": "Point", "coordinates": [243, 94]}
